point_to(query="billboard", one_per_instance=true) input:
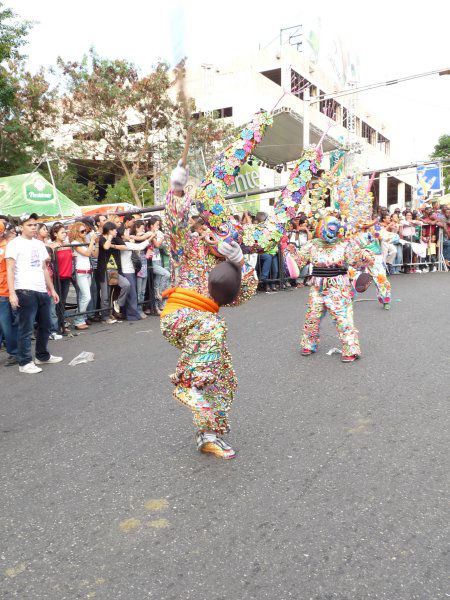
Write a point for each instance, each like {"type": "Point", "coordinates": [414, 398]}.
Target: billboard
{"type": "Point", "coordinates": [428, 180]}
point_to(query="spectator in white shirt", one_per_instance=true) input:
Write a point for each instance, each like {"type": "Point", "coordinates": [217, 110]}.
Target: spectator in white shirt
{"type": "Point", "coordinates": [28, 282]}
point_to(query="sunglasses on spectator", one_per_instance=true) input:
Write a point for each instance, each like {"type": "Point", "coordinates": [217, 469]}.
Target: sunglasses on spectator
{"type": "Point", "coordinates": [82, 230]}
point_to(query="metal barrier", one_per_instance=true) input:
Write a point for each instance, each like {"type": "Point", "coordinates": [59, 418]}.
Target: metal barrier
{"type": "Point", "coordinates": [150, 300]}
{"type": "Point", "coordinates": [421, 262]}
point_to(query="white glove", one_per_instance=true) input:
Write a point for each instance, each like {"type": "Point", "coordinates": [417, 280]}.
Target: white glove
{"type": "Point", "coordinates": [179, 177]}
{"type": "Point", "coordinates": [232, 251]}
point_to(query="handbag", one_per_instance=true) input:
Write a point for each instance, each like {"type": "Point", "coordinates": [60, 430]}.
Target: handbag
{"type": "Point", "coordinates": [112, 277]}
{"type": "Point", "coordinates": [362, 282]}
{"type": "Point", "coordinates": [136, 260]}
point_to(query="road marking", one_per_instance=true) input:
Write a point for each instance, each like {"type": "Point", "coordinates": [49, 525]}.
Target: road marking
{"type": "Point", "coordinates": [14, 571]}
{"type": "Point", "coordinates": [159, 524]}
{"type": "Point", "coordinates": [361, 426]}
{"type": "Point", "coordinates": [129, 524]}
{"type": "Point", "coordinates": [156, 504]}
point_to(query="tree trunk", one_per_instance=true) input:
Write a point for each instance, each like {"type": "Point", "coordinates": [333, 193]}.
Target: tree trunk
{"type": "Point", "coordinates": [131, 184]}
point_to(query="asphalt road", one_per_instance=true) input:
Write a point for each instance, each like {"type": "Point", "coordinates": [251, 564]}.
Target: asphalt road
{"type": "Point", "coordinates": [339, 491]}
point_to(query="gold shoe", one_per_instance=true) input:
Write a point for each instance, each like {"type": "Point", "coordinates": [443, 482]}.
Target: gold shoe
{"type": "Point", "coordinates": [210, 443]}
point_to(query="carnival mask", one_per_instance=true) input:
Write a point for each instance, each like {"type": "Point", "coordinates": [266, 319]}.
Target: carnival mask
{"type": "Point", "coordinates": [330, 229]}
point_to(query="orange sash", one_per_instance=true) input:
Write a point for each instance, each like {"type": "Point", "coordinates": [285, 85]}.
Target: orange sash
{"type": "Point", "coordinates": [186, 298]}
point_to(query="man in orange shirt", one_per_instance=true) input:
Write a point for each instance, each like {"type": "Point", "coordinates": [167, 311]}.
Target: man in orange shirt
{"type": "Point", "coordinates": [8, 318]}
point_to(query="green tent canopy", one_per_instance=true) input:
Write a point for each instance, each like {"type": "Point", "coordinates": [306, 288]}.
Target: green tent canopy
{"type": "Point", "coordinates": [32, 193]}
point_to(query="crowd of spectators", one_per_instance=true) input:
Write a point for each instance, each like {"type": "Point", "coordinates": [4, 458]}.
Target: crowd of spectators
{"type": "Point", "coordinates": [422, 236]}
{"type": "Point", "coordinates": [411, 243]}
{"type": "Point", "coordinates": [119, 267]}
{"type": "Point", "coordinates": [106, 261]}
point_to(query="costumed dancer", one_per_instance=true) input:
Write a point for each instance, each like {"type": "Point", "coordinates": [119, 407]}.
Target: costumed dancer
{"type": "Point", "coordinates": [204, 379]}
{"type": "Point", "coordinates": [330, 255]}
{"type": "Point", "coordinates": [370, 239]}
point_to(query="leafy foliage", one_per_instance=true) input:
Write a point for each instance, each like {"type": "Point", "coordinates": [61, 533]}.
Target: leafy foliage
{"type": "Point", "coordinates": [66, 182]}
{"type": "Point", "coordinates": [129, 121]}
{"type": "Point", "coordinates": [442, 150]}
{"type": "Point", "coordinates": [26, 102]}
{"type": "Point", "coordinates": [121, 191]}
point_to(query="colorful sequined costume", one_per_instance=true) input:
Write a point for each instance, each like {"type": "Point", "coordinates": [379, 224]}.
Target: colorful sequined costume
{"type": "Point", "coordinates": [371, 241]}
{"type": "Point", "coordinates": [330, 288]}
{"type": "Point", "coordinates": [204, 378]}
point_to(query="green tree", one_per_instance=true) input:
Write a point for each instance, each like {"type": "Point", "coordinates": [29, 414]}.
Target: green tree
{"type": "Point", "coordinates": [26, 101]}
{"type": "Point", "coordinates": [121, 191]}
{"type": "Point", "coordinates": [128, 121]}
{"type": "Point", "coordinates": [66, 182]}
{"type": "Point", "coordinates": [442, 151]}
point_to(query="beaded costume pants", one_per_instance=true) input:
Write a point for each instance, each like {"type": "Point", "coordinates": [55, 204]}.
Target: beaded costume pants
{"type": "Point", "coordinates": [378, 273]}
{"type": "Point", "coordinates": [336, 297]}
{"type": "Point", "coordinates": [204, 378]}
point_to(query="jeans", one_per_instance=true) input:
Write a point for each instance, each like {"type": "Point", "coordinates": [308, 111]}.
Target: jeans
{"type": "Point", "coordinates": [54, 323]}
{"type": "Point", "coordinates": [92, 306]}
{"type": "Point", "coordinates": [141, 284]}
{"type": "Point", "coordinates": [33, 306]}
{"type": "Point", "coordinates": [103, 287]}
{"type": "Point", "coordinates": [8, 325]}
{"type": "Point", "coordinates": [130, 308]}
{"type": "Point", "coordinates": [269, 264]}
{"type": "Point", "coordinates": [161, 277]}
{"type": "Point", "coordinates": [398, 260]}
{"type": "Point", "coordinates": [64, 285]}
{"type": "Point", "coordinates": [84, 297]}
{"type": "Point", "coordinates": [446, 249]}
{"type": "Point", "coordinates": [124, 284]}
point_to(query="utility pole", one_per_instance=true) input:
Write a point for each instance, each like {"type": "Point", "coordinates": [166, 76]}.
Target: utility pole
{"type": "Point", "coordinates": [55, 191]}
{"type": "Point", "coordinates": [306, 116]}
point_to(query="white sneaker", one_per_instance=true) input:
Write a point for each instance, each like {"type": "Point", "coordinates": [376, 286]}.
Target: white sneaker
{"type": "Point", "coordinates": [143, 315]}
{"type": "Point", "coordinates": [52, 359]}
{"type": "Point", "coordinates": [110, 321]}
{"type": "Point", "coordinates": [30, 368]}
{"type": "Point", "coordinates": [55, 336]}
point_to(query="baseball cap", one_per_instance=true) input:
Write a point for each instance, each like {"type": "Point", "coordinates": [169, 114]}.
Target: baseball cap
{"type": "Point", "coordinates": [26, 217]}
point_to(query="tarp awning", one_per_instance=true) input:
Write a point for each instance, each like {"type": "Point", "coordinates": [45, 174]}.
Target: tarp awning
{"type": "Point", "coordinates": [32, 193]}
{"type": "Point", "coordinates": [283, 142]}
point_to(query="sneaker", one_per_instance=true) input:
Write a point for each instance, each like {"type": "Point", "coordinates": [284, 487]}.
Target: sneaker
{"type": "Point", "coordinates": [433, 270]}
{"type": "Point", "coordinates": [306, 352]}
{"type": "Point", "coordinates": [52, 359]}
{"type": "Point", "coordinates": [350, 358]}
{"type": "Point", "coordinates": [387, 306]}
{"type": "Point", "coordinates": [143, 315]}
{"type": "Point", "coordinates": [55, 336]}
{"type": "Point", "coordinates": [11, 360]}
{"type": "Point", "coordinates": [210, 443]}
{"type": "Point", "coordinates": [30, 368]}
{"type": "Point", "coordinates": [110, 321]}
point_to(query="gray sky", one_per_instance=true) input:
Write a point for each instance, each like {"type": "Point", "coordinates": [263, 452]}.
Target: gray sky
{"type": "Point", "coordinates": [392, 38]}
